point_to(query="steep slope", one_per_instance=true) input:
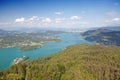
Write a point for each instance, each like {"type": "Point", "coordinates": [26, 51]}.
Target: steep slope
{"type": "Point", "coordinates": [103, 36]}
{"type": "Point", "coordinates": [77, 62]}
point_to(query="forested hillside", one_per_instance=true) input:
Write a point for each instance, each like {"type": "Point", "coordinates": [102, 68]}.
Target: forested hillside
{"type": "Point", "coordinates": [103, 36]}
{"type": "Point", "coordinates": [77, 62]}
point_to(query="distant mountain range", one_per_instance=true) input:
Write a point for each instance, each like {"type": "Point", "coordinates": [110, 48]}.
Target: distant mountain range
{"type": "Point", "coordinates": [4, 32]}
{"type": "Point", "coordinates": [103, 36]}
{"type": "Point", "coordinates": [114, 28]}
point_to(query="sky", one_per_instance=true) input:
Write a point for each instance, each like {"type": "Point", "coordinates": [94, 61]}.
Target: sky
{"type": "Point", "coordinates": [59, 13]}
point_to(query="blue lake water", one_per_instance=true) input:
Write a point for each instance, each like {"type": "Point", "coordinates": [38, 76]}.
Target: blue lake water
{"type": "Point", "coordinates": [7, 55]}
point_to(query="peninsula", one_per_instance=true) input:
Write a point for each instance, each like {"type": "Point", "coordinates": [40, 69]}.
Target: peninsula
{"type": "Point", "coordinates": [26, 40]}
{"type": "Point", "coordinates": [103, 36]}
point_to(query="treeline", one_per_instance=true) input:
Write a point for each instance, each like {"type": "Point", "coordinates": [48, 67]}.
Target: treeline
{"type": "Point", "coordinates": [77, 62]}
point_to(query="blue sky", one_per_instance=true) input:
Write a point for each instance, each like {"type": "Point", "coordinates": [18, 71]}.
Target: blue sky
{"type": "Point", "coordinates": [59, 13]}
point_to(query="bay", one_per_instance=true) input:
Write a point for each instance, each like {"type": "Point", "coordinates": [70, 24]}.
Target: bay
{"type": "Point", "coordinates": [7, 55]}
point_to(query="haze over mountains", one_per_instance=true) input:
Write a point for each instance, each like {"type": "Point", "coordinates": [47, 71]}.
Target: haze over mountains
{"type": "Point", "coordinates": [114, 28]}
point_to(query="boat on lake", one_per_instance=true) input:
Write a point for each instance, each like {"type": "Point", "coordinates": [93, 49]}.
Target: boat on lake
{"type": "Point", "coordinates": [21, 59]}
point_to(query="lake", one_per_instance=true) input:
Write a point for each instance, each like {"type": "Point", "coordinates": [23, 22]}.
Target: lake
{"type": "Point", "coordinates": [7, 55]}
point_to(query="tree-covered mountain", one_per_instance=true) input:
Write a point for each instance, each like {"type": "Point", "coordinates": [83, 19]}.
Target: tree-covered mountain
{"type": "Point", "coordinates": [103, 36]}
{"type": "Point", "coordinates": [77, 62]}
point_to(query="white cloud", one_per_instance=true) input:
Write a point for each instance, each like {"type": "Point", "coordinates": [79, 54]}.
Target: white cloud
{"type": "Point", "coordinates": [59, 20]}
{"type": "Point", "coordinates": [74, 17]}
{"type": "Point", "coordinates": [79, 23]}
{"type": "Point", "coordinates": [113, 20]}
{"type": "Point", "coordinates": [32, 21]}
{"type": "Point", "coordinates": [46, 20]}
{"type": "Point", "coordinates": [34, 18]}
{"type": "Point", "coordinates": [58, 13]}
{"type": "Point", "coordinates": [116, 19]}
{"type": "Point", "coordinates": [20, 19]}
{"type": "Point", "coordinates": [36, 21]}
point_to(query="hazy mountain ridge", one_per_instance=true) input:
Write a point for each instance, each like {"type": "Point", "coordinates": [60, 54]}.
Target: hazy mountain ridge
{"type": "Point", "coordinates": [5, 32]}
{"type": "Point", "coordinates": [103, 36]}
{"type": "Point", "coordinates": [113, 28]}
